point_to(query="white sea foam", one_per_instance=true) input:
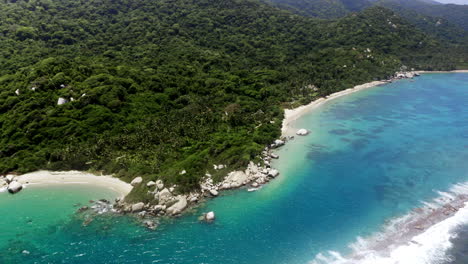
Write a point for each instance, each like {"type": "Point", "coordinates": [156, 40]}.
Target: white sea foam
{"type": "Point", "coordinates": [420, 237]}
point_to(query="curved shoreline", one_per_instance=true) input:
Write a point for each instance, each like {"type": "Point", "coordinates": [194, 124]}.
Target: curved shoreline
{"type": "Point", "coordinates": [291, 115]}
{"type": "Point", "coordinates": [123, 188]}
{"type": "Point", "coordinates": [74, 177]}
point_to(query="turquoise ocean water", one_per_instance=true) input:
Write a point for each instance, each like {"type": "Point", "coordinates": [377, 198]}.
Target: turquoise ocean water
{"type": "Point", "coordinates": [372, 156]}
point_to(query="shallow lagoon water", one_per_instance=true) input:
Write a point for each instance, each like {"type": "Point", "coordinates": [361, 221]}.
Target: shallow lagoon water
{"type": "Point", "coordinates": [372, 156]}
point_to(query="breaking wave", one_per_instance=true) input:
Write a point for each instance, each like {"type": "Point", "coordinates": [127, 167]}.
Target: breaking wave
{"type": "Point", "coordinates": [422, 236]}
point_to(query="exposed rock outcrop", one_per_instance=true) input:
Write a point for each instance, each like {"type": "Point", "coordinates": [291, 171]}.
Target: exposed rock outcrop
{"type": "Point", "coordinates": [138, 207]}
{"type": "Point", "coordinates": [302, 132]}
{"type": "Point", "coordinates": [179, 206]}
{"type": "Point", "coordinates": [136, 181]}
{"type": "Point", "coordinates": [9, 178]}
{"type": "Point", "coordinates": [15, 187]}
{"type": "Point", "coordinates": [62, 101]}
{"type": "Point", "coordinates": [164, 196]}
{"type": "Point", "coordinates": [236, 179]}
{"type": "Point", "coordinates": [159, 184]}
{"type": "Point", "coordinates": [210, 216]}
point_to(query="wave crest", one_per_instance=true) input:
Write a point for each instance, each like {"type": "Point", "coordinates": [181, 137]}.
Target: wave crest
{"type": "Point", "coordinates": [421, 237]}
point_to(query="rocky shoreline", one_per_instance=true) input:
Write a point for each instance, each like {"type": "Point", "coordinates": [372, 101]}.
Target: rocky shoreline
{"type": "Point", "coordinates": [168, 202]}
{"type": "Point", "coordinates": [9, 183]}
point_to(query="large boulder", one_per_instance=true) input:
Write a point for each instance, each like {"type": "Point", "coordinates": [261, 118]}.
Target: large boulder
{"type": "Point", "coordinates": [136, 181]}
{"type": "Point", "coordinates": [302, 132]}
{"type": "Point", "coordinates": [273, 173]}
{"type": "Point", "coordinates": [160, 184]}
{"type": "Point", "coordinates": [14, 187]}
{"type": "Point", "coordinates": [62, 101]}
{"type": "Point", "coordinates": [9, 178]}
{"type": "Point", "coordinates": [214, 192]}
{"type": "Point", "coordinates": [138, 207]}
{"type": "Point", "coordinates": [277, 143]}
{"type": "Point", "coordinates": [236, 178]}
{"type": "Point", "coordinates": [150, 184]}
{"type": "Point", "coordinates": [164, 196]}
{"type": "Point", "coordinates": [210, 216]}
{"type": "Point", "coordinates": [179, 206]}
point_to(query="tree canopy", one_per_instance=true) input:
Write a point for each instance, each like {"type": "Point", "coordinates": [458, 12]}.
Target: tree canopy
{"type": "Point", "coordinates": [151, 88]}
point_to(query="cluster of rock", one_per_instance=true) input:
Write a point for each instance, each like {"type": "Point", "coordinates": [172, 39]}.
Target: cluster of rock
{"type": "Point", "coordinates": [168, 202]}
{"type": "Point", "coordinates": [406, 75]}
{"type": "Point", "coordinates": [9, 183]}
{"type": "Point", "coordinates": [403, 75]}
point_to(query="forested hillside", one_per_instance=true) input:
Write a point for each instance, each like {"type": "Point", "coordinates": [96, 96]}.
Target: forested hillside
{"type": "Point", "coordinates": [151, 88]}
{"type": "Point", "coordinates": [455, 14]}
{"type": "Point", "coordinates": [326, 9]}
{"type": "Point", "coordinates": [448, 22]}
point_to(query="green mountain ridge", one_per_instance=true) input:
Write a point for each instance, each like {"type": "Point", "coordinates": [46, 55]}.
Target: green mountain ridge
{"type": "Point", "coordinates": [446, 21]}
{"type": "Point", "coordinates": [156, 87]}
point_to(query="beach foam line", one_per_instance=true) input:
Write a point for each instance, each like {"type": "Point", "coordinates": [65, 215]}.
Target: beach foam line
{"type": "Point", "coordinates": [421, 237]}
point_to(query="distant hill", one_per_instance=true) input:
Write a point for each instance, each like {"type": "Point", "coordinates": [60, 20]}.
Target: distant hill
{"type": "Point", "coordinates": [449, 22]}
{"type": "Point", "coordinates": [322, 8]}
{"type": "Point", "coordinates": [455, 14]}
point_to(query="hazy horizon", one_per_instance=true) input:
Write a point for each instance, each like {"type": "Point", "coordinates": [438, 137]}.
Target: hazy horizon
{"type": "Point", "coordinates": [459, 2]}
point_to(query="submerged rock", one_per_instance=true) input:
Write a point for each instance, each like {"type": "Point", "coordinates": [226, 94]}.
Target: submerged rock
{"type": "Point", "coordinates": [150, 224]}
{"type": "Point", "coordinates": [82, 209]}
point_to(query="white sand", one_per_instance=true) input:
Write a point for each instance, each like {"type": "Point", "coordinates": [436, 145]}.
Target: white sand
{"type": "Point", "coordinates": [74, 177]}
{"type": "Point", "coordinates": [290, 115]}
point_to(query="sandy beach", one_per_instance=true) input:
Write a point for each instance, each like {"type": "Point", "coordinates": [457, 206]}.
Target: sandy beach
{"type": "Point", "coordinates": [290, 115]}
{"type": "Point", "coordinates": [74, 177]}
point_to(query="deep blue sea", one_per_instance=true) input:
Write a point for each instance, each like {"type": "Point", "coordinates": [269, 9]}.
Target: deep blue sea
{"type": "Point", "coordinates": [371, 158]}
